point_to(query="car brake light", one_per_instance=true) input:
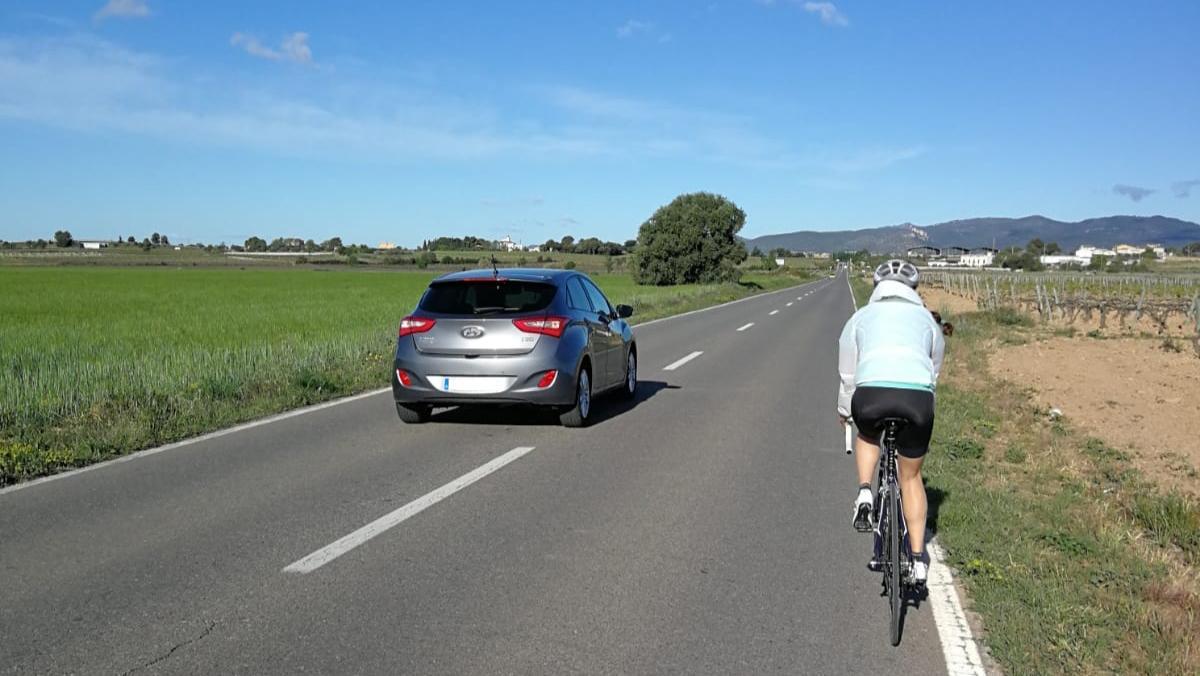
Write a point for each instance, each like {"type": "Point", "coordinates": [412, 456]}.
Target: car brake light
{"type": "Point", "coordinates": [549, 326]}
{"type": "Point", "coordinates": [405, 379]}
{"type": "Point", "coordinates": [411, 324]}
{"type": "Point", "coordinates": [547, 379]}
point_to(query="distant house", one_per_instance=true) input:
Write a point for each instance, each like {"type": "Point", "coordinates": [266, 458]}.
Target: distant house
{"type": "Point", "coordinates": [954, 254]}
{"type": "Point", "coordinates": [1086, 253]}
{"type": "Point", "coordinates": [508, 244]}
{"type": "Point", "coordinates": [979, 257]}
{"type": "Point", "coordinates": [95, 245]}
{"type": "Point", "coordinates": [386, 246]}
{"type": "Point", "coordinates": [1057, 260]}
{"type": "Point", "coordinates": [924, 252]}
{"type": "Point", "coordinates": [534, 248]}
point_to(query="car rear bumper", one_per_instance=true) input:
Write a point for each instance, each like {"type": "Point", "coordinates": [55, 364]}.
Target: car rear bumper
{"type": "Point", "coordinates": [427, 373]}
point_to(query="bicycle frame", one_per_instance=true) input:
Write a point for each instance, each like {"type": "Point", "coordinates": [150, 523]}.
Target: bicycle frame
{"type": "Point", "coordinates": [887, 483]}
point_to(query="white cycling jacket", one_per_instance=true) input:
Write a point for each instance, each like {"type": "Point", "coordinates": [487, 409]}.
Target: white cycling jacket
{"type": "Point", "coordinates": [892, 341]}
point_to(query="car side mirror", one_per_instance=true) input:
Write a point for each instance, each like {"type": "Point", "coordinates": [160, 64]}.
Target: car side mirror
{"type": "Point", "coordinates": [624, 311]}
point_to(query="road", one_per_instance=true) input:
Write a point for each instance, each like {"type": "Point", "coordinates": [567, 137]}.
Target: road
{"type": "Point", "coordinates": [701, 529]}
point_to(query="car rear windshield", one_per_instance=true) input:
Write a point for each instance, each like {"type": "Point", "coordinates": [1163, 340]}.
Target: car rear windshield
{"type": "Point", "coordinates": [487, 297]}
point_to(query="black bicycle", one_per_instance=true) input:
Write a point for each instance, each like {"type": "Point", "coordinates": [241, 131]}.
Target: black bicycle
{"type": "Point", "coordinates": [892, 555]}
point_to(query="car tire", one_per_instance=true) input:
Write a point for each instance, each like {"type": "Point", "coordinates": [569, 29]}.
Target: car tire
{"type": "Point", "coordinates": [580, 414]}
{"type": "Point", "coordinates": [414, 414]}
{"type": "Point", "coordinates": [629, 390]}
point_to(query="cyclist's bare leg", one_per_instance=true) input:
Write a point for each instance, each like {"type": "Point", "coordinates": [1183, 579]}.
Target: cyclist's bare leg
{"type": "Point", "coordinates": [866, 457]}
{"type": "Point", "coordinates": [912, 490]}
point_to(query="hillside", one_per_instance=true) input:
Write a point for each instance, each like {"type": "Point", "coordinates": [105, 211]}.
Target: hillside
{"type": "Point", "coordinates": [1002, 232]}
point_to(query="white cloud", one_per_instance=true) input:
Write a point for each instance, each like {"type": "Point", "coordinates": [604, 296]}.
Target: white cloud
{"type": "Point", "coordinates": [830, 16]}
{"type": "Point", "coordinates": [123, 9]}
{"type": "Point", "coordinates": [632, 27]}
{"type": "Point", "coordinates": [294, 47]}
{"type": "Point", "coordinates": [89, 85]}
{"type": "Point", "coordinates": [873, 159]}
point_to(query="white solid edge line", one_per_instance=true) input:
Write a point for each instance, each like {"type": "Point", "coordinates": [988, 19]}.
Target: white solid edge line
{"type": "Point", "coordinates": [745, 326]}
{"type": "Point", "coordinates": [851, 289]}
{"type": "Point", "coordinates": [773, 312]}
{"type": "Point", "coordinates": [193, 440]}
{"type": "Point", "coordinates": [958, 644]}
{"type": "Point", "coordinates": [756, 296]}
{"type": "Point", "coordinates": [381, 525]}
{"type": "Point", "coordinates": [676, 364]}
{"type": "Point", "coordinates": [309, 409]}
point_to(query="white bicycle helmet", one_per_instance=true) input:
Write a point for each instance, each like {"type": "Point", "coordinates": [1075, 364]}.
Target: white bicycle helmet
{"type": "Point", "coordinates": [898, 271]}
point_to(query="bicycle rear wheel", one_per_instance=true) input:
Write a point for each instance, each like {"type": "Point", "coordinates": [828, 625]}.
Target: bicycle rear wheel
{"type": "Point", "coordinates": [895, 597]}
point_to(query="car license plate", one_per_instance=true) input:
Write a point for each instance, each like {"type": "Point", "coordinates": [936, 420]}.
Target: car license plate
{"type": "Point", "coordinates": [471, 384]}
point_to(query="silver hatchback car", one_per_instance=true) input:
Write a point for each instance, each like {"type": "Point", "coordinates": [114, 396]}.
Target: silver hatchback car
{"type": "Point", "coordinates": [513, 336]}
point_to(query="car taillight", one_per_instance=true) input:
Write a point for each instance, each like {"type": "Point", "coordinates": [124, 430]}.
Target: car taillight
{"type": "Point", "coordinates": [410, 325]}
{"type": "Point", "coordinates": [549, 326]}
{"type": "Point", "coordinates": [405, 379]}
{"type": "Point", "coordinates": [547, 379]}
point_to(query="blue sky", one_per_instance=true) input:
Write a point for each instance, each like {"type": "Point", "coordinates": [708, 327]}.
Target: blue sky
{"type": "Point", "coordinates": [403, 121]}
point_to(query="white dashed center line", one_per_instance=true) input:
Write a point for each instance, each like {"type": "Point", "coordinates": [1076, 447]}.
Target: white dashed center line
{"type": "Point", "coordinates": [774, 312]}
{"type": "Point", "coordinates": [789, 304]}
{"type": "Point", "coordinates": [676, 364]}
{"type": "Point", "coordinates": [377, 527]}
{"type": "Point", "coordinates": [743, 328]}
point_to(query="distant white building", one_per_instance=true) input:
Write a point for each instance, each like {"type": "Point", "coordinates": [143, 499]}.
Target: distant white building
{"type": "Point", "coordinates": [981, 257]}
{"type": "Point", "coordinates": [508, 244]}
{"type": "Point", "coordinates": [1086, 252]}
{"type": "Point", "coordinates": [534, 248]}
{"type": "Point", "coordinates": [95, 245]}
{"type": "Point", "coordinates": [1057, 260]}
{"type": "Point", "coordinates": [386, 246]}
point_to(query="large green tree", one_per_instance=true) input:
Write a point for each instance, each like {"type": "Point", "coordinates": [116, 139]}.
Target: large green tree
{"type": "Point", "coordinates": [691, 240]}
{"type": "Point", "coordinates": [62, 238]}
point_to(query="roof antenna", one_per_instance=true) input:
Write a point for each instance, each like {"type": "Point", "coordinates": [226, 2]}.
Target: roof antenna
{"type": "Point", "coordinates": [495, 269]}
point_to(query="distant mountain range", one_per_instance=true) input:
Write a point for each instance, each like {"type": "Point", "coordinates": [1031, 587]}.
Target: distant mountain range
{"type": "Point", "coordinates": [999, 232]}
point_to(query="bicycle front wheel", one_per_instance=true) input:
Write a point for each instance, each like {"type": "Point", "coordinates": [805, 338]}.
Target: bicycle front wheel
{"type": "Point", "coordinates": [895, 597]}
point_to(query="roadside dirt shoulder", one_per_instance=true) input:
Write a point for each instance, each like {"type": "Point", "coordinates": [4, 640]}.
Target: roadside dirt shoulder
{"type": "Point", "coordinates": [1130, 392]}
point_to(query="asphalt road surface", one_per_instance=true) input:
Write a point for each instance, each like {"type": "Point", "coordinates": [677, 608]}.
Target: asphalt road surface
{"type": "Point", "coordinates": [702, 529]}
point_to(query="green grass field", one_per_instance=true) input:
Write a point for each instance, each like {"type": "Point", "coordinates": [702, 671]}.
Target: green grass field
{"type": "Point", "coordinates": [97, 362]}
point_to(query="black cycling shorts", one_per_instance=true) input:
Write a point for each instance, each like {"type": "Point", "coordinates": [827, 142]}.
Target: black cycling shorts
{"type": "Point", "coordinates": [871, 405]}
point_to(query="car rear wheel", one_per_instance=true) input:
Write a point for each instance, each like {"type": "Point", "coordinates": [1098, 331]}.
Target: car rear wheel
{"type": "Point", "coordinates": [580, 414]}
{"type": "Point", "coordinates": [630, 389]}
{"type": "Point", "coordinates": [414, 414]}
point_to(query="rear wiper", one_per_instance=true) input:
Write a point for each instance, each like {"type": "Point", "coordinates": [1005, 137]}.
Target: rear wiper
{"type": "Point", "coordinates": [484, 310]}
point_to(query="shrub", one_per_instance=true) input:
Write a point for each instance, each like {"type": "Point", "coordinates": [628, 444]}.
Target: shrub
{"type": "Point", "coordinates": [1170, 518]}
{"type": "Point", "coordinates": [570, 265]}
{"type": "Point", "coordinates": [691, 240]}
{"type": "Point", "coordinates": [1007, 316]}
{"type": "Point", "coordinates": [964, 448]}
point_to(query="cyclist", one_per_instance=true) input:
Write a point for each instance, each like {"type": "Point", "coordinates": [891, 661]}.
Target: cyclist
{"type": "Point", "coordinates": [889, 357]}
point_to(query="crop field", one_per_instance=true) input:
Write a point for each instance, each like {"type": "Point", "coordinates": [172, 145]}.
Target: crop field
{"type": "Point", "coordinates": [1162, 304]}
{"type": "Point", "coordinates": [96, 362]}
